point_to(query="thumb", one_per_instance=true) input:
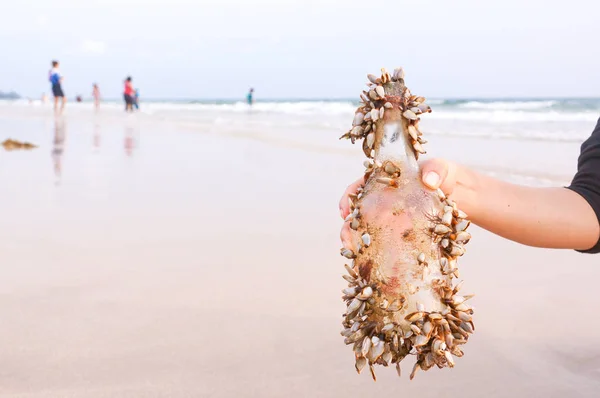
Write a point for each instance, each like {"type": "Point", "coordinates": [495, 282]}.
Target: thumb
{"type": "Point", "coordinates": [439, 173]}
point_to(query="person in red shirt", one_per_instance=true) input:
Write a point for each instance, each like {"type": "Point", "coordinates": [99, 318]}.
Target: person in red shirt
{"type": "Point", "coordinates": [96, 95]}
{"type": "Point", "coordinates": [128, 94]}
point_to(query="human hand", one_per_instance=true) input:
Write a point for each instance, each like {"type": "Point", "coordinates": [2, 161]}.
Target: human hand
{"type": "Point", "coordinates": [435, 173]}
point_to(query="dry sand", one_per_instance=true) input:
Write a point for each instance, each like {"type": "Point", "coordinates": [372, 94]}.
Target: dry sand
{"type": "Point", "coordinates": [206, 265]}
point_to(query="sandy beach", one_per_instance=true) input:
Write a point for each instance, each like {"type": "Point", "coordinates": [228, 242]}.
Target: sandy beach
{"type": "Point", "coordinates": [153, 255]}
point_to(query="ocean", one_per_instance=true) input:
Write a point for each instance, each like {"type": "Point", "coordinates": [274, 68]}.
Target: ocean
{"type": "Point", "coordinates": [533, 141]}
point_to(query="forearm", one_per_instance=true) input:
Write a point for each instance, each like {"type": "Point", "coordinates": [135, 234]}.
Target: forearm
{"type": "Point", "coordinates": [541, 217]}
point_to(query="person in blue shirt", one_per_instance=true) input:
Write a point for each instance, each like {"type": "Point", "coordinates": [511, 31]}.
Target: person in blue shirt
{"type": "Point", "coordinates": [249, 96]}
{"type": "Point", "coordinates": [136, 98]}
{"type": "Point", "coordinates": [56, 79]}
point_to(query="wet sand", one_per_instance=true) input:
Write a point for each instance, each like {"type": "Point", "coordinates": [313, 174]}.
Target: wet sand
{"type": "Point", "coordinates": [151, 260]}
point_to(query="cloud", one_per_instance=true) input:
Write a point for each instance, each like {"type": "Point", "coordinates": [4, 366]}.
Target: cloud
{"type": "Point", "coordinates": [93, 47]}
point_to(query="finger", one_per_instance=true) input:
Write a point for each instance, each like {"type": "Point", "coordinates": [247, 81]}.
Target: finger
{"type": "Point", "coordinates": [439, 173]}
{"type": "Point", "coordinates": [346, 236]}
{"type": "Point", "coordinates": [434, 172]}
{"type": "Point", "coordinates": [352, 188]}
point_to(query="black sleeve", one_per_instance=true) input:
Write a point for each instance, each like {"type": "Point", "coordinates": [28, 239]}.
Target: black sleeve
{"type": "Point", "coordinates": [586, 181]}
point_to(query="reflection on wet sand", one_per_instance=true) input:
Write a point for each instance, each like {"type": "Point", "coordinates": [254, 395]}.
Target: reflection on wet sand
{"type": "Point", "coordinates": [58, 147]}
{"type": "Point", "coordinates": [129, 140]}
{"type": "Point", "coordinates": [96, 137]}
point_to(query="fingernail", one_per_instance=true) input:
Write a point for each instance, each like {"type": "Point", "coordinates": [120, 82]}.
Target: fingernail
{"type": "Point", "coordinates": [431, 179]}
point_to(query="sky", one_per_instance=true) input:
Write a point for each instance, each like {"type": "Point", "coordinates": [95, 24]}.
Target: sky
{"type": "Point", "coordinates": [195, 49]}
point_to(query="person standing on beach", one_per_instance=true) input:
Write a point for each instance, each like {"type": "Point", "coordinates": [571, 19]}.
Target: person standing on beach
{"type": "Point", "coordinates": [56, 79]}
{"type": "Point", "coordinates": [249, 97]}
{"type": "Point", "coordinates": [554, 218]}
{"type": "Point", "coordinates": [96, 95]}
{"type": "Point", "coordinates": [136, 99]}
{"type": "Point", "coordinates": [128, 95]}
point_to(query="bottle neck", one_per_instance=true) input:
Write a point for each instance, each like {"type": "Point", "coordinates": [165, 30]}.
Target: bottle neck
{"type": "Point", "coordinates": [394, 145]}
